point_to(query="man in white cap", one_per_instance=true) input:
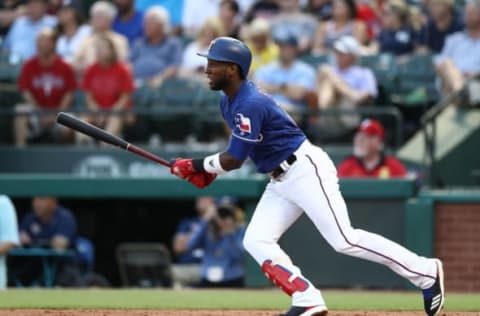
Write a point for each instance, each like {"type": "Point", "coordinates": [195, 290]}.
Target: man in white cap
{"type": "Point", "coordinates": [345, 85]}
{"type": "Point", "coordinates": [346, 80]}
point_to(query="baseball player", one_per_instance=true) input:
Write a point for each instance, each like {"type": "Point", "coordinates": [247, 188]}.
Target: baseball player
{"type": "Point", "coordinates": [303, 179]}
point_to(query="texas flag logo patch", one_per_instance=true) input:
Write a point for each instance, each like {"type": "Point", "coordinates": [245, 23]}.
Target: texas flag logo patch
{"type": "Point", "coordinates": [243, 123]}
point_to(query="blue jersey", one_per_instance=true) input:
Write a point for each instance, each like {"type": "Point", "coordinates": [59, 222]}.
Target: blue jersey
{"type": "Point", "coordinates": [62, 223]}
{"type": "Point", "coordinates": [261, 129]}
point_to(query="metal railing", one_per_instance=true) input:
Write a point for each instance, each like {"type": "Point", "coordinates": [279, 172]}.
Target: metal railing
{"type": "Point", "coordinates": [211, 114]}
{"type": "Point", "coordinates": [429, 129]}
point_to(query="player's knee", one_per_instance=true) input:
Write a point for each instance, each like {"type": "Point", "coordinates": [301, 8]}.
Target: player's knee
{"type": "Point", "coordinates": [248, 242]}
{"type": "Point", "coordinates": [346, 244]}
{"type": "Point", "coordinates": [342, 247]}
{"type": "Point", "coordinates": [252, 242]}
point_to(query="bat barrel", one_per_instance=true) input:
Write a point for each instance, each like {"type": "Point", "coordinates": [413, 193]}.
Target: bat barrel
{"type": "Point", "coordinates": [100, 134]}
{"type": "Point", "coordinates": [90, 130]}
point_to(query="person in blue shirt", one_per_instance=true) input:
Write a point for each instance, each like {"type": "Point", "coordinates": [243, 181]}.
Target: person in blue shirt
{"type": "Point", "coordinates": [49, 225]}
{"type": "Point", "coordinates": [287, 79]}
{"type": "Point", "coordinates": [220, 234]}
{"type": "Point", "coordinates": [303, 179]}
{"type": "Point", "coordinates": [174, 8]}
{"type": "Point", "coordinates": [397, 36]}
{"type": "Point", "coordinates": [157, 55]}
{"type": "Point", "coordinates": [8, 235]}
{"type": "Point", "coordinates": [129, 21]}
{"type": "Point", "coordinates": [204, 205]}
{"type": "Point", "coordinates": [20, 40]}
{"type": "Point", "coordinates": [443, 20]}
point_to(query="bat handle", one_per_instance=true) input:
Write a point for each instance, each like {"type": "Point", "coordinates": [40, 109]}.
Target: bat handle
{"type": "Point", "coordinates": [146, 154]}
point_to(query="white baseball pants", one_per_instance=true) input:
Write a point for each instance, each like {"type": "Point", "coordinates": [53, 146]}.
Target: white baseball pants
{"type": "Point", "coordinates": [311, 186]}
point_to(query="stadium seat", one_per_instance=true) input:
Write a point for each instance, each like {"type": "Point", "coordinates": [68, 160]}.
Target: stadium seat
{"type": "Point", "coordinates": [385, 71]}
{"type": "Point", "coordinates": [142, 97]}
{"type": "Point", "coordinates": [8, 99]}
{"type": "Point", "coordinates": [173, 104]}
{"type": "Point", "coordinates": [415, 83]}
{"type": "Point", "coordinates": [9, 69]}
{"type": "Point", "coordinates": [208, 119]}
{"type": "Point", "coordinates": [144, 265]}
{"type": "Point", "coordinates": [315, 60]}
{"type": "Point", "coordinates": [177, 92]}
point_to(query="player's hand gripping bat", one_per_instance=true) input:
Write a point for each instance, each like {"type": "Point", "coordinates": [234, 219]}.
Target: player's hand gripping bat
{"type": "Point", "coordinates": [102, 135]}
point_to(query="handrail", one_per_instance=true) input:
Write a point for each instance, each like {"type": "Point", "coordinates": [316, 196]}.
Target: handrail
{"type": "Point", "coordinates": [433, 112]}
{"type": "Point", "coordinates": [429, 129]}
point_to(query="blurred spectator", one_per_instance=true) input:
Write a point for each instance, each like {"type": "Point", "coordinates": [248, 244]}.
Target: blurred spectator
{"type": "Point", "coordinates": [20, 41]}
{"type": "Point", "coordinates": [8, 235]}
{"type": "Point", "coordinates": [229, 15]}
{"type": "Point", "coordinates": [343, 23]}
{"type": "Point", "coordinates": [443, 20]}
{"type": "Point", "coordinates": [264, 50]}
{"type": "Point", "coordinates": [174, 8]}
{"type": "Point", "coordinates": [108, 85]}
{"type": "Point", "coordinates": [10, 10]}
{"type": "Point", "coordinates": [460, 57]}
{"type": "Point", "coordinates": [265, 9]}
{"type": "Point", "coordinates": [195, 12]}
{"type": "Point", "coordinates": [321, 9]}
{"type": "Point", "coordinates": [102, 14]}
{"type": "Point", "coordinates": [56, 5]}
{"type": "Point", "coordinates": [292, 22]}
{"type": "Point", "coordinates": [157, 56]}
{"type": "Point", "coordinates": [288, 80]}
{"type": "Point", "coordinates": [193, 66]}
{"type": "Point", "coordinates": [221, 235]}
{"type": "Point", "coordinates": [129, 21]}
{"type": "Point", "coordinates": [368, 159]}
{"type": "Point", "coordinates": [345, 86]}
{"type": "Point", "coordinates": [71, 28]}
{"type": "Point", "coordinates": [49, 225]}
{"type": "Point", "coordinates": [397, 36]}
{"type": "Point", "coordinates": [245, 5]}
{"type": "Point", "coordinates": [46, 83]}
{"type": "Point", "coordinates": [187, 268]}
{"type": "Point", "coordinates": [371, 12]}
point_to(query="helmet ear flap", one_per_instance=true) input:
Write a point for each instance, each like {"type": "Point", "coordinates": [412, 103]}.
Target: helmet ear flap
{"type": "Point", "coordinates": [240, 71]}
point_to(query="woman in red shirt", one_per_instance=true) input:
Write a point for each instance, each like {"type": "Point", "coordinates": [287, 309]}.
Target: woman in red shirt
{"type": "Point", "coordinates": [108, 85]}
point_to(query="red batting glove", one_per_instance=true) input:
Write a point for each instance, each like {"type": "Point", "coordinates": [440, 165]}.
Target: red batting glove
{"type": "Point", "coordinates": [182, 168]}
{"type": "Point", "coordinates": [201, 179]}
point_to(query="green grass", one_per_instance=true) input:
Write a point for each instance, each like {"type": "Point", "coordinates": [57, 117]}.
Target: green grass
{"type": "Point", "coordinates": [219, 299]}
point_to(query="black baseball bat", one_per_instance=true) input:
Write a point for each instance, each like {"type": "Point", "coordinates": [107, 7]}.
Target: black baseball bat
{"type": "Point", "coordinates": [102, 135]}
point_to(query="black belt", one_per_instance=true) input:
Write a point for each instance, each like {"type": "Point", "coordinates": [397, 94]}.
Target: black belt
{"type": "Point", "coordinates": [278, 171]}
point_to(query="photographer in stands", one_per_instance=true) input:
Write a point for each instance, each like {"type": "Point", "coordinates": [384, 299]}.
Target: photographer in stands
{"type": "Point", "coordinates": [221, 235]}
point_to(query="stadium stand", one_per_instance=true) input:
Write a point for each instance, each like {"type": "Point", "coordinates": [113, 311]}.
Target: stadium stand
{"type": "Point", "coordinates": [181, 118]}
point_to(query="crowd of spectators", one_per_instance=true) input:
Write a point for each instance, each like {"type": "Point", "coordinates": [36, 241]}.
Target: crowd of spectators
{"type": "Point", "coordinates": [207, 247]}
{"type": "Point", "coordinates": [135, 44]}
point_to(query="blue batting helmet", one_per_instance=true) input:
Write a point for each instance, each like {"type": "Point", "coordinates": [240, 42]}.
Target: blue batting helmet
{"type": "Point", "coordinates": [230, 50]}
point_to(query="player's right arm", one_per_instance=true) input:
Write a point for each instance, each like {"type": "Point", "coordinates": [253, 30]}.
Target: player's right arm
{"type": "Point", "coordinates": [246, 134]}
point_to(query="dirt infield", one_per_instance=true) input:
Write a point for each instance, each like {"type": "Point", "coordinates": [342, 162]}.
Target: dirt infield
{"type": "Point", "coordinates": [91, 312]}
